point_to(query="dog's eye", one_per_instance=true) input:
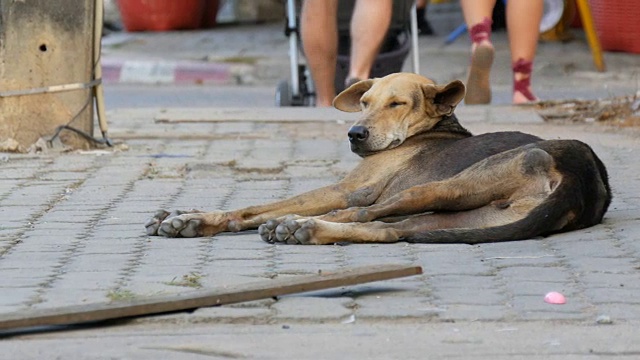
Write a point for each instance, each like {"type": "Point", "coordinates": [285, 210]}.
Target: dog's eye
{"type": "Point", "coordinates": [364, 104]}
{"type": "Point", "coordinates": [396, 104]}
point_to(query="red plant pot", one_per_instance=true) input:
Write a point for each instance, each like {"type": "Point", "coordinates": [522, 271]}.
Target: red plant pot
{"type": "Point", "coordinates": [616, 23]}
{"type": "Point", "coordinates": [161, 15]}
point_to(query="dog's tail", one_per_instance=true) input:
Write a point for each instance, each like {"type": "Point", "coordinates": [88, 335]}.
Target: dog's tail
{"type": "Point", "coordinates": [538, 222]}
{"type": "Point", "coordinates": [579, 201]}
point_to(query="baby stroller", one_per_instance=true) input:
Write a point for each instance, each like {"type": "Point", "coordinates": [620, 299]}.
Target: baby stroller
{"type": "Point", "coordinates": [401, 39]}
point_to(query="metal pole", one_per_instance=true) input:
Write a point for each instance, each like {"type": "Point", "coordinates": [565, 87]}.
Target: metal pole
{"type": "Point", "coordinates": [98, 90]}
{"type": "Point", "coordinates": [293, 46]}
{"type": "Point", "coordinates": [414, 39]}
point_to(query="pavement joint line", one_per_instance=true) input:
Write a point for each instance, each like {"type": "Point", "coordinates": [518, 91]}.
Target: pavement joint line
{"type": "Point", "coordinates": [573, 277]}
{"type": "Point", "coordinates": [135, 259]}
{"type": "Point", "coordinates": [36, 216]}
{"type": "Point", "coordinates": [77, 245]}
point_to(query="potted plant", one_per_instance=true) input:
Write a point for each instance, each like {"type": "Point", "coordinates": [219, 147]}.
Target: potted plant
{"type": "Point", "coordinates": [162, 15]}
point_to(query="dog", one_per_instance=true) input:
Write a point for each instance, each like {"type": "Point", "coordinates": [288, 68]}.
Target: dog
{"type": "Point", "coordinates": [424, 178]}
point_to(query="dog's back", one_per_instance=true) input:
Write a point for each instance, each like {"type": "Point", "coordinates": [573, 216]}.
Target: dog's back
{"type": "Point", "coordinates": [438, 159]}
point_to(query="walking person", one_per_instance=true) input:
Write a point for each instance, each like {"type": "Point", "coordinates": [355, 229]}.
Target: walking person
{"type": "Point", "coordinates": [523, 27]}
{"type": "Point", "coordinates": [319, 32]}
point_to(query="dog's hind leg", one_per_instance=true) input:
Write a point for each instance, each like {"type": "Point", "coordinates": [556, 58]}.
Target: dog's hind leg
{"type": "Point", "coordinates": [438, 227]}
{"type": "Point", "coordinates": [521, 171]}
{"type": "Point", "coordinates": [496, 192]}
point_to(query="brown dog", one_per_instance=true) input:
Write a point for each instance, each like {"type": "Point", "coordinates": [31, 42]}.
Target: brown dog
{"type": "Point", "coordinates": [424, 178]}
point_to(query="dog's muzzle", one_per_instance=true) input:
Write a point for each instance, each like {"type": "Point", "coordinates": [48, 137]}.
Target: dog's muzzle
{"type": "Point", "coordinates": [359, 137]}
{"type": "Point", "coordinates": [358, 134]}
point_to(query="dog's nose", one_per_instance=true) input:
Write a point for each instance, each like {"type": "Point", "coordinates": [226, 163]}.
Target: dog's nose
{"type": "Point", "coordinates": [358, 134]}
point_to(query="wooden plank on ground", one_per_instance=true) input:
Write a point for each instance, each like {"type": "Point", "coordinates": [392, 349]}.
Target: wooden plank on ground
{"type": "Point", "coordinates": [78, 314]}
{"type": "Point", "coordinates": [268, 115]}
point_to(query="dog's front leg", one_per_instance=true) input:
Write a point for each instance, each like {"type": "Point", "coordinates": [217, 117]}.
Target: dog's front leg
{"type": "Point", "coordinates": [316, 202]}
{"type": "Point", "coordinates": [191, 223]}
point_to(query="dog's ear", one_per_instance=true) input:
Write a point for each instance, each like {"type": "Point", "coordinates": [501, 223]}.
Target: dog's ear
{"type": "Point", "coordinates": [349, 99]}
{"type": "Point", "coordinates": [445, 98]}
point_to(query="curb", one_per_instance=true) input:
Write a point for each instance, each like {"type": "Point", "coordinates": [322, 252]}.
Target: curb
{"type": "Point", "coordinates": [167, 72]}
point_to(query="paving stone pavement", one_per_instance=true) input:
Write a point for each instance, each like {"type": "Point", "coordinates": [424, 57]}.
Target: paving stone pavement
{"type": "Point", "coordinates": [72, 229]}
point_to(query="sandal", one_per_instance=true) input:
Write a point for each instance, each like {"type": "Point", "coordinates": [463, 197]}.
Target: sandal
{"type": "Point", "coordinates": [478, 81]}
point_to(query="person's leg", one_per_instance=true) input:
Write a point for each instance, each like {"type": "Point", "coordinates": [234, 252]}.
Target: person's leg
{"type": "Point", "coordinates": [369, 25]}
{"type": "Point", "coordinates": [424, 28]}
{"type": "Point", "coordinates": [475, 11]}
{"type": "Point", "coordinates": [477, 14]}
{"type": "Point", "coordinates": [523, 25]}
{"type": "Point", "coordinates": [320, 43]}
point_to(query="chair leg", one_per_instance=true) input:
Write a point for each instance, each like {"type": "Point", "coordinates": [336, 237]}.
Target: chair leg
{"type": "Point", "coordinates": [592, 36]}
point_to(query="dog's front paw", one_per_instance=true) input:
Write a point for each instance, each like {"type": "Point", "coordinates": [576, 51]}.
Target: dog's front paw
{"type": "Point", "coordinates": [152, 225]}
{"type": "Point", "coordinates": [267, 231]}
{"type": "Point", "coordinates": [299, 231]}
{"type": "Point", "coordinates": [184, 225]}
{"type": "Point", "coordinates": [286, 232]}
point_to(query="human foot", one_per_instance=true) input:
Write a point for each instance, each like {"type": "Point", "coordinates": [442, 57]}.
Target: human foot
{"type": "Point", "coordinates": [522, 93]}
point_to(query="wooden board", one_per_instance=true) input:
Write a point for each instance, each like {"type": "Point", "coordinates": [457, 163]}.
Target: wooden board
{"type": "Point", "coordinates": [195, 299]}
{"type": "Point", "coordinates": [268, 115]}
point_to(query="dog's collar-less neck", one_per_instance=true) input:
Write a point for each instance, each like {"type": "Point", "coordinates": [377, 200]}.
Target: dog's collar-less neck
{"type": "Point", "coordinates": [449, 124]}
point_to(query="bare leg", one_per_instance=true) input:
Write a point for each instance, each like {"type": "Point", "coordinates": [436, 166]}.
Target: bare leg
{"type": "Point", "coordinates": [320, 42]}
{"type": "Point", "coordinates": [523, 22]}
{"type": "Point", "coordinates": [369, 25]}
{"type": "Point", "coordinates": [476, 10]}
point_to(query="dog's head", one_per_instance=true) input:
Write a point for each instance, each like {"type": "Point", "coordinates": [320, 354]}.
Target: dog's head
{"type": "Point", "coordinates": [395, 108]}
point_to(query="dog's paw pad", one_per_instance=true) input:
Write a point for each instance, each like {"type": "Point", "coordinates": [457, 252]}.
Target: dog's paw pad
{"type": "Point", "coordinates": [180, 226]}
{"type": "Point", "coordinates": [295, 232]}
{"type": "Point", "coordinates": [153, 224]}
{"type": "Point", "coordinates": [267, 231]}
{"type": "Point", "coordinates": [284, 232]}
{"type": "Point", "coordinates": [304, 234]}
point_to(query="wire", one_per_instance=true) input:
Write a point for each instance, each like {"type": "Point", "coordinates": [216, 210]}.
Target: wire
{"type": "Point", "coordinates": [104, 141]}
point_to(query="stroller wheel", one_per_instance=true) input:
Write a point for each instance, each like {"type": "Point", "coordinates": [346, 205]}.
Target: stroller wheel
{"type": "Point", "coordinates": [283, 94]}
